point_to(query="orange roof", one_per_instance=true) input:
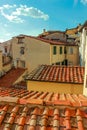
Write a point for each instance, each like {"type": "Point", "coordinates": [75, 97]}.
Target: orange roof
{"type": "Point", "coordinates": [46, 33]}
{"type": "Point", "coordinates": [30, 110]}
{"type": "Point", "coordinates": [41, 98]}
{"type": "Point", "coordinates": [63, 74]}
{"type": "Point", "coordinates": [73, 30]}
{"type": "Point", "coordinates": [50, 41]}
{"type": "Point", "coordinates": [11, 76]}
{"type": "Point", "coordinates": [55, 42]}
{"type": "Point", "coordinates": [22, 84]}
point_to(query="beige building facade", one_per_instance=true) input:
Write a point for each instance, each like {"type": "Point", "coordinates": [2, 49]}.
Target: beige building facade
{"type": "Point", "coordinates": [5, 63]}
{"type": "Point", "coordinates": [64, 55]}
{"type": "Point", "coordinates": [29, 52]}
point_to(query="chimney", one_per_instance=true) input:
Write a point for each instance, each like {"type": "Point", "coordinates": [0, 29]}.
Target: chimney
{"type": "Point", "coordinates": [44, 30]}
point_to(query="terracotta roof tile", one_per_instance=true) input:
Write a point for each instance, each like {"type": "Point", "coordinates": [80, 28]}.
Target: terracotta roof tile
{"type": "Point", "coordinates": [43, 117]}
{"type": "Point", "coordinates": [10, 77]}
{"type": "Point", "coordinates": [43, 98]}
{"type": "Point", "coordinates": [51, 41]}
{"type": "Point", "coordinates": [61, 74]}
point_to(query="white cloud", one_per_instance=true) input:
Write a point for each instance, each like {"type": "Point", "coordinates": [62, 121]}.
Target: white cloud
{"type": "Point", "coordinates": [22, 10]}
{"type": "Point", "coordinates": [1, 40]}
{"type": "Point", "coordinates": [12, 18]}
{"type": "Point", "coordinates": [84, 1]}
{"type": "Point", "coordinates": [8, 6]}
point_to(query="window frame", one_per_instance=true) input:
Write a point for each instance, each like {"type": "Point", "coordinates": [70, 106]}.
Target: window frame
{"type": "Point", "coordinates": [71, 50]}
{"type": "Point", "coordinates": [54, 50]}
{"type": "Point", "coordinates": [22, 50]}
{"type": "Point", "coordinates": [65, 50]}
{"type": "Point", "coordinates": [61, 50]}
{"type": "Point", "coordinates": [20, 40]}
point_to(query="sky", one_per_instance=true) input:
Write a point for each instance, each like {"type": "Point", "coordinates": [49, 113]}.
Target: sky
{"type": "Point", "coordinates": [30, 17]}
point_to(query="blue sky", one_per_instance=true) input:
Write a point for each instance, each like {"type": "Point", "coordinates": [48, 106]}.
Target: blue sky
{"type": "Point", "coordinates": [30, 17]}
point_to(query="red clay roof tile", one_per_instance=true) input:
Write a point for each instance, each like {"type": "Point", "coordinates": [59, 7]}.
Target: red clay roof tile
{"type": "Point", "coordinates": [22, 121]}
{"type": "Point", "coordinates": [57, 74]}
{"type": "Point", "coordinates": [10, 77]}
{"type": "Point", "coordinates": [45, 117]}
{"type": "Point", "coordinates": [44, 98]}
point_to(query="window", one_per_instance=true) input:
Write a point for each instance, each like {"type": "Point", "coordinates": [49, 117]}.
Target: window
{"type": "Point", "coordinates": [60, 50]}
{"type": "Point", "coordinates": [23, 64]}
{"type": "Point", "coordinates": [70, 63]}
{"type": "Point", "coordinates": [65, 51]}
{"type": "Point", "coordinates": [22, 50]}
{"type": "Point", "coordinates": [54, 50]}
{"type": "Point", "coordinates": [70, 50]}
{"type": "Point", "coordinates": [57, 63]}
{"type": "Point", "coordinates": [5, 49]}
{"type": "Point", "coordinates": [65, 62]}
{"type": "Point", "coordinates": [21, 40]}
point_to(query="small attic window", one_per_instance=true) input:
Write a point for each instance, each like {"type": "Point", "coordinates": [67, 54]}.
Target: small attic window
{"type": "Point", "coordinates": [20, 40]}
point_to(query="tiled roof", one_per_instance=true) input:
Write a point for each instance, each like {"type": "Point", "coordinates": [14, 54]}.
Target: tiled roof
{"type": "Point", "coordinates": [61, 74]}
{"type": "Point", "coordinates": [50, 41]}
{"type": "Point", "coordinates": [73, 30]}
{"type": "Point", "coordinates": [21, 84]}
{"type": "Point", "coordinates": [55, 42]}
{"type": "Point", "coordinates": [11, 76]}
{"type": "Point", "coordinates": [43, 98]}
{"type": "Point", "coordinates": [46, 33]}
{"type": "Point", "coordinates": [53, 36]}
{"type": "Point", "coordinates": [42, 110]}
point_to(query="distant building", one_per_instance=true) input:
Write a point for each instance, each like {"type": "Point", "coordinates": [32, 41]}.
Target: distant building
{"type": "Point", "coordinates": [5, 63]}
{"type": "Point", "coordinates": [53, 35]}
{"type": "Point", "coordinates": [69, 35]}
{"type": "Point", "coordinates": [6, 48]}
{"type": "Point", "coordinates": [29, 52]}
{"type": "Point", "coordinates": [60, 79]}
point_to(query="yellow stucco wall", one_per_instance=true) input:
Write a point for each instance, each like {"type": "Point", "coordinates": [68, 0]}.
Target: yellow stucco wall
{"type": "Point", "coordinates": [7, 67]}
{"type": "Point", "coordinates": [36, 52]}
{"type": "Point", "coordinates": [4, 67]}
{"type": "Point", "coordinates": [74, 58]}
{"type": "Point", "coordinates": [55, 87]}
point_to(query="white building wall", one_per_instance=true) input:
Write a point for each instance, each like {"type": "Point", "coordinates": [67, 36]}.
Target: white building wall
{"type": "Point", "coordinates": [82, 47]}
